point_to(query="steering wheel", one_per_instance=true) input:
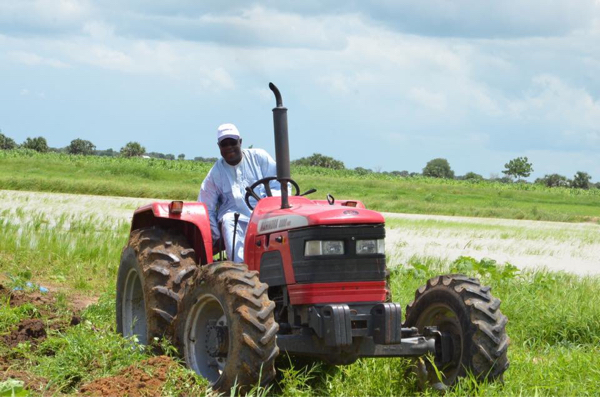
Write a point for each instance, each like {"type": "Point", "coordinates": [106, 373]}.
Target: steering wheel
{"type": "Point", "coordinates": [265, 182]}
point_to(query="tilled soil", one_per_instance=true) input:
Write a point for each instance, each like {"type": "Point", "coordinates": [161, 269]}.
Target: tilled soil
{"type": "Point", "coordinates": [145, 378]}
{"type": "Point", "coordinates": [33, 330]}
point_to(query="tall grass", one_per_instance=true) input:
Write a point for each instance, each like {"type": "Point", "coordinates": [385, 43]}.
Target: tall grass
{"type": "Point", "coordinates": [174, 179]}
{"type": "Point", "coordinates": [67, 251]}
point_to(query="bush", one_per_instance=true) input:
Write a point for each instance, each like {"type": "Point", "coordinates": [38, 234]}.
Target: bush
{"type": "Point", "coordinates": [81, 146]}
{"type": "Point", "coordinates": [132, 149]}
{"type": "Point", "coordinates": [38, 144]}
{"type": "Point", "coordinates": [7, 143]}
{"type": "Point", "coordinates": [206, 159]}
{"type": "Point", "coordinates": [319, 160]}
{"type": "Point", "coordinates": [581, 180]}
{"type": "Point", "coordinates": [362, 171]}
{"type": "Point", "coordinates": [106, 153]}
{"type": "Point", "coordinates": [471, 176]}
{"type": "Point", "coordinates": [554, 180]}
{"type": "Point", "coordinates": [438, 168]}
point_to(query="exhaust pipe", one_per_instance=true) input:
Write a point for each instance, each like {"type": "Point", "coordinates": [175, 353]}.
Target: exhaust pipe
{"type": "Point", "coordinates": [282, 146]}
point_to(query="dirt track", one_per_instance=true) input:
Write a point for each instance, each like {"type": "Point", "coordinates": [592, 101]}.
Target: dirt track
{"type": "Point", "coordinates": [573, 247]}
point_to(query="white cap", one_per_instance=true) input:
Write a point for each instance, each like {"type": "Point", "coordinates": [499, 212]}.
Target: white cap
{"type": "Point", "coordinates": [227, 131]}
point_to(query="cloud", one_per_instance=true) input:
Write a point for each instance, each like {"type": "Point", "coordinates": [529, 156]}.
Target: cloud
{"type": "Point", "coordinates": [570, 114]}
{"type": "Point", "coordinates": [433, 100]}
{"type": "Point", "coordinates": [31, 59]}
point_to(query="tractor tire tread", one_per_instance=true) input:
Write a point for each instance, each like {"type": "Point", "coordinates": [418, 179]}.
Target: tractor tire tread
{"type": "Point", "coordinates": [487, 325]}
{"type": "Point", "coordinates": [250, 314]}
{"type": "Point", "coordinates": [165, 275]}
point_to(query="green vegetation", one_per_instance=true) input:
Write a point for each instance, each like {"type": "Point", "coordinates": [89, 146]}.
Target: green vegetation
{"type": "Point", "coordinates": [81, 146]}
{"type": "Point", "coordinates": [132, 149]}
{"type": "Point", "coordinates": [438, 168]}
{"type": "Point", "coordinates": [554, 324]}
{"type": "Point", "coordinates": [165, 179]}
{"type": "Point", "coordinates": [519, 167]}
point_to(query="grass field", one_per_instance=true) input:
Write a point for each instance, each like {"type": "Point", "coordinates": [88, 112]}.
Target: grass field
{"type": "Point", "coordinates": [155, 178]}
{"type": "Point", "coordinates": [554, 323]}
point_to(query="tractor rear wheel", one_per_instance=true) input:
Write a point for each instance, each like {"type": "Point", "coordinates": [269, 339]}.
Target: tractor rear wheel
{"type": "Point", "coordinates": [465, 311]}
{"type": "Point", "coordinates": [155, 267]}
{"type": "Point", "coordinates": [227, 328]}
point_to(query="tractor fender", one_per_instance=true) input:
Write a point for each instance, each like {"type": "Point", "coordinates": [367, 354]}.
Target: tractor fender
{"type": "Point", "coordinates": [193, 222]}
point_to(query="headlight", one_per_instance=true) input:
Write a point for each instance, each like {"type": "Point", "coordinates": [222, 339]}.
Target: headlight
{"type": "Point", "coordinates": [327, 247]}
{"type": "Point", "coordinates": [367, 247]}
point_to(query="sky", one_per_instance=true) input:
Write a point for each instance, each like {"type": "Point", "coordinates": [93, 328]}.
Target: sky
{"type": "Point", "coordinates": [386, 85]}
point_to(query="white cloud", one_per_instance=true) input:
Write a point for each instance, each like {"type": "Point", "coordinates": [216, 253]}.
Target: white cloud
{"type": "Point", "coordinates": [29, 58]}
{"type": "Point", "coordinates": [432, 100]}
{"type": "Point", "coordinates": [98, 30]}
{"type": "Point", "coordinates": [573, 110]}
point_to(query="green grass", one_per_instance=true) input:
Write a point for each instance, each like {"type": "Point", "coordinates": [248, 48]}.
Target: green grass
{"type": "Point", "coordinates": [76, 253]}
{"type": "Point", "coordinates": [554, 326]}
{"type": "Point", "coordinates": [166, 179]}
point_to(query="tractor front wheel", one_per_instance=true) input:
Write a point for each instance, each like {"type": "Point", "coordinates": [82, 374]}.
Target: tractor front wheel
{"type": "Point", "coordinates": [226, 327]}
{"type": "Point", "coordinates": [469, 317]}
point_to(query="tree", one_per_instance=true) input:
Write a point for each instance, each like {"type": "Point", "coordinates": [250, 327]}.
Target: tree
{"type": "Point", "coordinates": [81, 146]}
{"type": "Point", "coordinates": [132, 149]}
{"type": "Point", "coordinates": [581, 180]}
{"type": "Point", "coordinates": [38, 144]}
{"type": "Point", "coordinates": [553, 180]}
{"type": "Point", "coordinates": [6, 143]}
{"type": "Point", "coordinates": [181, 157]}
{"type": "Point", "coordinates": [471, 176]}
{"type": "Point", "coordinates": [519, 167]}
{"type": "Point", "coordinates": [438, 168]}
{"type": "Point", "coordinates": [362, 171]}
{"type": "Point", "coordinates": [206, 159]}
{"type": "Point", "coordinates": [318, 160]}
{"type": "Point", "coordinates": [106, 153]}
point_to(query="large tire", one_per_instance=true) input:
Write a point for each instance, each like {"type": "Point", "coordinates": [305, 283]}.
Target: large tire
{"type": "Point", "coordinates": [460, 306]}
{"type": "Point", "coordinates": [227, 328]}
{"type": "Point", "coordinates": [155, 267]}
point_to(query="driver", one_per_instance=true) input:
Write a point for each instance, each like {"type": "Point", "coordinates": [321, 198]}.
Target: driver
{"type": "Point", "coordinates": [224, 188]}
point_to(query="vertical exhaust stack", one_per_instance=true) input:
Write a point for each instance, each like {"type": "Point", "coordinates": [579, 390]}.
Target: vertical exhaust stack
{"type": "Point", "coordinates": [282, 146]}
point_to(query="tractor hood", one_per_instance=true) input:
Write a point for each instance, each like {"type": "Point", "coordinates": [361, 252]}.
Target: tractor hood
{"type": "Point", "coordinates": [269, 217]}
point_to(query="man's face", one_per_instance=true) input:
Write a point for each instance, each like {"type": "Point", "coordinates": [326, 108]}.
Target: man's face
{"type": "Point", "coordinates": [231, 150]}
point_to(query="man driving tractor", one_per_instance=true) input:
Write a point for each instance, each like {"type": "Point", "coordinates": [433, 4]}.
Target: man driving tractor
{"type": "Point", "coordinates": [223, 189]}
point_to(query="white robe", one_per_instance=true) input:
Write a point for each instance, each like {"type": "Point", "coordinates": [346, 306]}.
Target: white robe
{"type": "Point", "coordinates": [223, 192]}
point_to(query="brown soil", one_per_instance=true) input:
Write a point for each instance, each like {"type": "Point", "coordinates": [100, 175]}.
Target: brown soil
{"type": "Point", "coordinates": [9, 370]}
{"type": "Point", "coordinates": [28, 330]}
{"type": "Point", "coordinates": [33, 330]}
{"type": "Point", "coordinates": [145, 378]}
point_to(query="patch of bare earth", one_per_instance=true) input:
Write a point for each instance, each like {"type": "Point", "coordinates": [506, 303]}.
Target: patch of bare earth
{"type": "Point", "coordinates": [145, 378]}
{"type": "Point", "coordinates": [8, 370]}
{"type": "Point", "coordinates": [32, 330]}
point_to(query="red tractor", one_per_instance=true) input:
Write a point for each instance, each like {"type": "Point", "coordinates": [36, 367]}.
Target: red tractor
{"type": "Point", "coordinates": [313, 285]}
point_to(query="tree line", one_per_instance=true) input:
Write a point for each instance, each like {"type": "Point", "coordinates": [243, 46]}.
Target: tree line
{"type": "Point", "coordinates": [516, 168]}
{"type": "Point", "coordinates": [87, 148]}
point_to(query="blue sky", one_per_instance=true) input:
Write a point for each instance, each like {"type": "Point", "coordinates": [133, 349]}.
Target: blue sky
{"type": "Point", "coordinates": [387, 85]}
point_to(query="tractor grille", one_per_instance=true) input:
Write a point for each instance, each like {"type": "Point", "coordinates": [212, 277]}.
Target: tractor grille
{"type": "Point", "coordinates": [336, 268]}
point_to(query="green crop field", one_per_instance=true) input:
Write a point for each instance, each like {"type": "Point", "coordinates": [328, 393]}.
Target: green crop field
{"type": "Point", "coordinates": [170, 179]}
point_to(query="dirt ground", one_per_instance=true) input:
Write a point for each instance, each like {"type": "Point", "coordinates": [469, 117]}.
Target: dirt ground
{"type": "Point", "coordinates": [145, 378]}
{"type": "Point", "coordinates": [32, 330]}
